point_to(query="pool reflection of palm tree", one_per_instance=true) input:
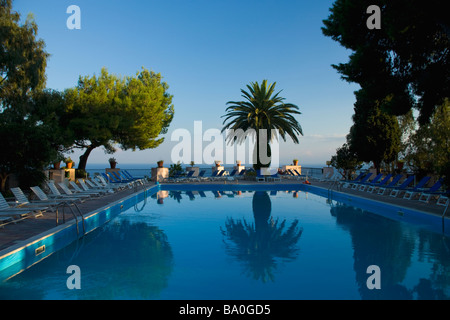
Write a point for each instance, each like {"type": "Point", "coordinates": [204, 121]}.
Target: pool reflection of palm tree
{"type": "Point", "coordinates": [258, 245]}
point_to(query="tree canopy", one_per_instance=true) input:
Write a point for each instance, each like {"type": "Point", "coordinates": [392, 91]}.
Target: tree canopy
{"type": "Point", "coordinates": [22, 58]}
{"type": "Point", "coordinates": [24, 139]}
{"type": "Point", "coordinates": [428, 147]}
{"type": "Point", "coordinates": [107, 110]}
{"type": "Point", "coordinates": [406, 62]}
{"type": "Point", "coordinates": [375, 135]}
{"type": "Point", "coordinates": [37, 125]}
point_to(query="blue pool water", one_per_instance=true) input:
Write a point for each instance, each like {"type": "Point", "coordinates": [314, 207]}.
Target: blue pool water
{"type": "Point", "coordinates": [187, 244]}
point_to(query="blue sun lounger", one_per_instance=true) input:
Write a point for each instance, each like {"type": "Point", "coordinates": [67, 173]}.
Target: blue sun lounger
{"type": "Point", "coordinates": [371, 186]}
{"type": "Point", "coordinates": [409, 192]}
{"type": "Point", "coordinates": [346, 183]}
{"type": "Point", "coordinates": [393, 183]}
{"type": "Point", "coordinates": [199, 177]}
{"type": "Point", "coordinates": [355, 184]}
{"type": "Point", "coordinates": [395, 190]}
{"type": "Point", "coordinates": [426, 195]}
{"type": "Point", "coordinates": [364, 185]}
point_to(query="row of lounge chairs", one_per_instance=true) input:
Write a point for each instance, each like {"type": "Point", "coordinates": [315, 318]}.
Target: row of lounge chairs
{"type": "Point", "coordinates": [293, 174]}
{"type": "Point", "coordinates": [399, 186]}
{"type": "Point", "coordinates": [220, 175]}
{"type": "Point", "coordinates": [22, 207]}
{"type": "Point", "coordinates": [217, 175]}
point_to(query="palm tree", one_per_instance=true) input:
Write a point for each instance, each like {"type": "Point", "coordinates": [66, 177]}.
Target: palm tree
{"type": "Point", "coordinates": [262, 110]}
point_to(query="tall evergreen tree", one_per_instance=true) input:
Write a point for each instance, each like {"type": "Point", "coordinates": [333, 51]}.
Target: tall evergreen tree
{"type": "Point", "coordinates": [24, 139]}
{"type": "Point", "coordinates": [406, 61]}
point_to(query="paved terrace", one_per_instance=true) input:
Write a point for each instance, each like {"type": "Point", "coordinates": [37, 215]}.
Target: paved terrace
{"type": "Point", "coordinates": [12, 234]}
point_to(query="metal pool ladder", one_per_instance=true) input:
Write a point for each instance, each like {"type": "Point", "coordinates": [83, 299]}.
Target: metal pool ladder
{"type": "Point", "coordinates": [334, 183]}
{"type": "Point", "coordinates": [71, 205]}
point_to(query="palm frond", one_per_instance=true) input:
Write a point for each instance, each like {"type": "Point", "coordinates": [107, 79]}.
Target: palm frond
{"type": "Point", "coordinates": [262, 109]}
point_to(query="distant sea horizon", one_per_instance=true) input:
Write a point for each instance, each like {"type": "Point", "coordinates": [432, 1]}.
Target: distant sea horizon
{"type": "Point", "coordinates": [144, 169]}
{"type": "Point", "coordinates": [99, 166]}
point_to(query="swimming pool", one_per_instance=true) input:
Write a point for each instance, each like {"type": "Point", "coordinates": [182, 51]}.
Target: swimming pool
{"type": "Point", "coordinates": [186, 242]}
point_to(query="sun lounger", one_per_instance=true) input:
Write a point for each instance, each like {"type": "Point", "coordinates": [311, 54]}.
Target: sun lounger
{"type": "Point", "coordinates": [292, 174]}
{"type": "Point", "coordinates": [104, 183]}
{"type": "Point", "coordinates": [298, 175]}
{"type": "Point", "coordinates": [326, 176]}
{"type": "Point", "coordinates": [199, 177]}
{"type": "Point", "coordinates": [241, 174]}
{"type": "Point", "coordinates": [111, 180]}
{"type": "Point", "coordinates": [232, 175]}
{"type": "Point", "coordinates": [107, 181]}
{"type": "Point", "coordinates": [78, 190]}
{"type": "Point", "coordinates": [354, 185]}
{"type": "Point", "coordinates": [42, 196]}
{"type": "Point", "coordinates": [88, 185]}
{"type": "Point", "coordinates": [25, 205]}
{"type": "Point", "coordinates": [7, 210]}
{"type": "Point", "coordinates": [373, 186]}
{"type": "Point", "coordinates": [69, 194]}
{"type": "Point", "coordinates": [345, 183]}
{"type": "Point", "coordinates": [219, 176]}
{"type": "Point", "coordinates": [129, 176]}
{"type": "Point", "coordinates": [4, 220]}
{"type": "Point", "coordinates": [397, 189]}
{"type": "Point", "coordinates": [45, 197]}
{"type": "Point", "coordinates": [120, 177]}
{"type": "Point", "coordinates": [444, 199]}
{"type": "Point", "coordinates": [216, 174]}
{"type": "Point", "coordinates": [335, 177]}
{"type": "Point", "coordinates": [410, 194]}
{"type": "Point", "coordinates": [58, 195]}
{"type": "Point", "coordinates": [363, 185]}
{"type": "Point", "coordinates": [419, 188]}
{"type": "Point", "coordinates": [188, 176]}
{"type": "Point", "coordinates": [123, 178]}
{"type": "Point", "coordinates": [13, 216]}
{"type": "Point", "coordinates": [433, 191]}
{"type": "Point", "coordinates": [393, 183]}
{"type": "Point", "coordinates": [177, 175]}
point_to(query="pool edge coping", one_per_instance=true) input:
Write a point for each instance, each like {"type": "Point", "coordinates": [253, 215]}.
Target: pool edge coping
{"type": "Point", "coordinates": [22, 245]}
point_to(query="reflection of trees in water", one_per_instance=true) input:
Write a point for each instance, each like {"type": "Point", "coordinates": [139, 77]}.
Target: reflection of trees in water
{"type": "Point", "coordinates": [438, 285]}
{"type": "Point", "coordinates": [176, 195]}
{"type": "Point", "coordinates": [118, 261]}
{"type": "Point", "coordinates": [386, 243]}
{"type": "Point", "coordinates": [258, 245]}
{"type": "Point", "coordinates": [136, 261]}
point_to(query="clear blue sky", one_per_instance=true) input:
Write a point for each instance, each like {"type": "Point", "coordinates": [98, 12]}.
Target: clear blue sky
{"type": "Point", "coordinates": [206, 50]}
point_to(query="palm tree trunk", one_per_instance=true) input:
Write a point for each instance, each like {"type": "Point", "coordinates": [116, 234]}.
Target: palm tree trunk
{"type": "Point", "coordinates": [257, 164]}
{"type": "Point", "coordinates": [259, 156]}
